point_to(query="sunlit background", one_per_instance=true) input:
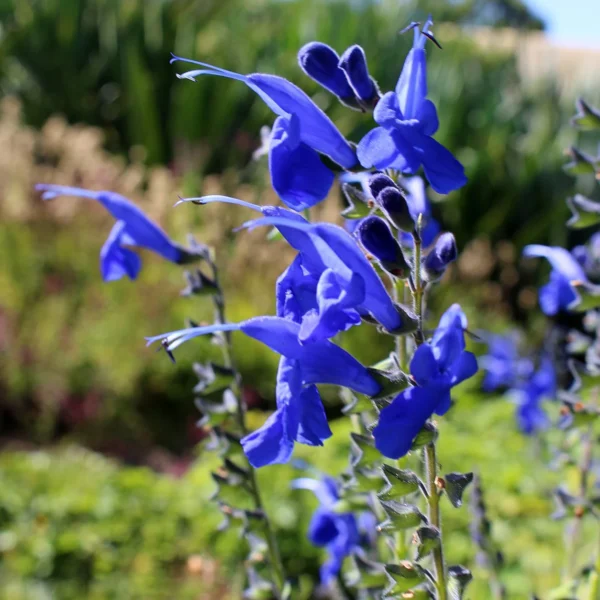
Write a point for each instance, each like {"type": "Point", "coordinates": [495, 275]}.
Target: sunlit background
{"type": "Point", "coordinates": [104, 482]}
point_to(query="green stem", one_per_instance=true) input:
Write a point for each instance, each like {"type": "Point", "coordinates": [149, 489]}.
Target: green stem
{"type": "Point", "coordinates": [594, 591]}
{"type": "Point", "coordinates": [429, 452]}
{"type": "Point", "coordinates": [435, 520]}
{"type": "Point", "coordinates": [236, 388]}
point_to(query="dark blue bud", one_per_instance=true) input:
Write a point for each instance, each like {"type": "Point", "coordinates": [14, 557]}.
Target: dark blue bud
{"type": "Point", "coordinates": [444, 252]}
{"type": "Point", "coordinates": [393, 202]}
{"type": "Point", "coordinates": [321, 63]}
{"type": "Point", "coordinates": [378, 182]}
{"type": "Point", "coordinates": [354, 63]}
{"type": "Point", "coordinates": [377, 239]}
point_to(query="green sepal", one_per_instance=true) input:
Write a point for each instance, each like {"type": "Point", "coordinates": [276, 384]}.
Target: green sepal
{"type": "Point", "coordinates": [400, 516]}
{"type": "Point", "coordinates": [391, 382]}
{"type": "Point", "coordinates": [588, 296]}
{"type": "Point", "coordinates": [258, 589]}
{"type": "Point", "coordinates": [403, 577]}
{"type": "Point", "coordinates": [426, 436]}
{"type": "Point", "coordinates": [399, 482]}
{"type": "Point", "coordinates": [358, 203]}
{"type": "Point", "coordinates": [198, 284]}
{"type": "Point", "coordinates": [581, 163]}
{"type": "Point", "coordinates": [231, 490]}
{"type": "Point", "coordinates": [363, 481]}
{"type": "Point", "coordinates": [584, 212]}
{"type": "Point", "coordinates": [286, 592]}
{"type": "Point", "coordinates": [427, 539]}
{"type": "Point", "coordinates": [258, 548]}
{"type": "Point", "coordinates": [351, 503]}
{"type": "Point", "coordinates": [458, 579]}
{"type": "Point", "coordinates": [586, 379]}
{"type": "Point", "coordinates": [358, 404]}
{"type": "Point", "coordinates": [216, 408]}
{"type": "Point", "coordinates": [212, 378]}
{"type": "Point", "coordinates": [363, 451]}
{"type": "Point", "coordinates": [587, 117]}
{"type": "Point", "coordinates": [456, 483]}
{"type": "Point", "coordinates": [366, 574]}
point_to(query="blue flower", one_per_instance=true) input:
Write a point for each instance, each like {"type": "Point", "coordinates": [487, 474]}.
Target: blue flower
{"type": "Point", "coordinates": [443, 253]}
{"type": "Point", "coordinates": [338, 532]}
{"type": "Point", "coordinates": [133, 228]}
{"type": "Point", "coordinates": [300, 416]}
{"type": "Point", "coordinates": [503, 366]}
{"type": "Point", "coordinates": [346, 77]}
{"type": "Point", "coordinates": [301, 132]}
{"type": "Point", "coordinates": [407, 121]}
{"type": "Point", "coordinates": [531, 417]}
{"type": "Point", "coordinates": [436, 367]}
{"type": "Point", "coordinates": [348, 286]}
{"type": "Point", "coordinates": [560, 293]}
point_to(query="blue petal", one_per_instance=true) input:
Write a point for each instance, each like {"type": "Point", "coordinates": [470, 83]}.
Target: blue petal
{"type": "Point", "coordinates": [556, 295]}
{"type": "Point", "coordinates": [401, 421]}
{"type": "Point", "coordinates": [313, 426]}
{"type": "Point", "coordinates": [354, 63]}
{"type": "Point", "coordinates": [423, 365]}
{"type": "Point", "coordinates": [377, 149]}
{"type": "Point", "coordinates": [322, 529]}
{"type": "Point", "coordinates": [464, 367]}
{"type": "Point", "coordinates": [442, 170]}
{"type": "Point", "coordinates": [336, 299]}
{"type": "Point", "coordinates": [411, 88]}
{"type": "Point", "coordinates": [296, 291]}
{"type": "Point", "coordinates": [561, 260]}
{"type": "Point", "coordinates": [320, 62]}
{"type": "Point", "coordinates": [427, 117]}
{"type": "Point", "coordinates": [298, 175]}
{"type": "Point", "coordinates": [271, 444]}
{"type": "Point", "coordinates": [284, 98]}
{"type": "Point", "coordinates": [444, 401]}
{"type": "Point", "coordinates": [140, 228]}
{"type": "Point", "coordinates": [387, 112]}
{"type": "Point", "coordinates": [115, 260]}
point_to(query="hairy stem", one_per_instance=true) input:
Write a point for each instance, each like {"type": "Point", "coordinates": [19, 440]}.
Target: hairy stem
{"type": "Point", "coordinates": [236, 388]}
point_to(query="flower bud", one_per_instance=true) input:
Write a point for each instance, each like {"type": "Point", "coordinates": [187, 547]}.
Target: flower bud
{"type": "Point", "coordinates": [393, 202]}
{"type": "Point", "coordinates": [443, 253]}
{"type": "Point", "coordinates": [354, 64]}
{"type": "Point", "coordinates": [321, 63]}
{"type": "Point", "coordinates": [377, 239]}
{"type": "Point", "coordinates": [378, 182]}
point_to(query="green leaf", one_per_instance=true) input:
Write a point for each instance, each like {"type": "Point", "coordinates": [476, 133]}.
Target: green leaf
{"type": "Point", "coordinates": [399, 482]}
{"type": "Point", "coordinates": [458, 579]}
{"type": "Point", "coordinates": [587, 117]}
{"type": "Point", "coordinates": [455, 485]}
{"type": "Point", "coordinates": [581, 162]}
{"type": "Point", "coordinates": [427, 539]}
{"type": "Point", "coordinates": [403, 576]}
{"type": "Point", "coordinates": [400, 516]}
{"type": "Point", "coordinates": [585, 212]}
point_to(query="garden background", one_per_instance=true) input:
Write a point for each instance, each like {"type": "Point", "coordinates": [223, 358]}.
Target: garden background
{"type": "Point", "coordinates": [104, 482]}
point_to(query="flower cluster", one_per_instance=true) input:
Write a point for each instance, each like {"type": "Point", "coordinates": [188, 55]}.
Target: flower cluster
{"type": "Point", "coordinates": [340, 278]}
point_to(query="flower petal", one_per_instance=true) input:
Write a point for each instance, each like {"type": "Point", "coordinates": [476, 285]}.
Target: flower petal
{"type": "Point", "coordinates": [270, 444]}
{"type": "Point", "coordinates": [377, 149]}
{"type": "Point", "coordinates": [423, 365]}
{"type": "Point", "coordinates": [115, 260]}
{"type": "Point", "coordinates": [561, 260]}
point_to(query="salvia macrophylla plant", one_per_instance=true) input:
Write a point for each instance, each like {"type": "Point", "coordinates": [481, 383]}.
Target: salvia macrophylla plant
{"type": "Point", "coordinates": [380, 515]}
{"type": "Point", "coordinates": [568, 372]}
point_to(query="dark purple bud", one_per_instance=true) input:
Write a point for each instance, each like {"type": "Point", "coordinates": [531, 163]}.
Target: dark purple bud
{"type": "Point", "coordinates": [379, 181]}
{"type": "Point", "coordinates": [377, 239]}
{"type": "Point", "coordinates": [444, 252]}
{"type": "Point", "coordinates": [393, 202]}
{"type": "Point", "coordinates": [321, 63]}
{"type": "Point", "coordinates": [354, 63]}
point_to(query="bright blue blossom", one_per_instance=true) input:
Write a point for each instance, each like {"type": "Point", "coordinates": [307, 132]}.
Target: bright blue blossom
{"type": "Point", "coordinates": [531, 417]}
{"type": "Point", "coordinates": [301, 132]}
{"type": "Point", "coordinates": [338, 532]}
{"type": "Point", "coordinates": [440, 256]}
{"type": "Point", "coordinates": [560, 293]}
{"type": "Point", "coordinates": [436, 367]}
{"type": "Point", "coordinates": [407, 121]}
{"type": "Point", "coordinates": [502, 365]}
{"type": "Point", "coordinates": [347, 285]}
{"type": "Point", "coordinates": [347, 76]}
{"type": "Point", "coordinates": [133, 228]}
{"type": "Point", "coordinates": [300, 416]}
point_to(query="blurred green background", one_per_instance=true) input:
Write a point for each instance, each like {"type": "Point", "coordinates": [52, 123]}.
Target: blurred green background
{"type": "Point", "coordinates": [103, 486]}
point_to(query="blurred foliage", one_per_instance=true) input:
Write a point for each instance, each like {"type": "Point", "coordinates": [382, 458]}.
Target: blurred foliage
{"type": "Point", "coordinates": [74, 524]}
